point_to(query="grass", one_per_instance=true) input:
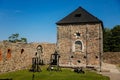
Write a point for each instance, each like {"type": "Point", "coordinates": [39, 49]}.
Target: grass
{"type": "Point", "coordinates": [65, 74]}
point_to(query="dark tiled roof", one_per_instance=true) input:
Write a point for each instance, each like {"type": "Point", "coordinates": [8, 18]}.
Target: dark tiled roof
{"type": "Point", "coordinates": [80, 15]}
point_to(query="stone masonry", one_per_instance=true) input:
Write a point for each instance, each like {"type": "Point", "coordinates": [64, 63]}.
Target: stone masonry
{"type": "Point", "coordinates": [17, 56]}
{"type": "Point", "coordinates": [79, 39]}
{"type": "Point", "coordinates": [90, 37]}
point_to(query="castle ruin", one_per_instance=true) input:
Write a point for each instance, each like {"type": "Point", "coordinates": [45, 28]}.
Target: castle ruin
{"type": "Point", "coordinates": [79, 43]}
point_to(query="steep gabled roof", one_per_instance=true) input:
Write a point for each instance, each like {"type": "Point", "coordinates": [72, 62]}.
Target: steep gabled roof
{"type": "Point", "coordinates": [80, 15]}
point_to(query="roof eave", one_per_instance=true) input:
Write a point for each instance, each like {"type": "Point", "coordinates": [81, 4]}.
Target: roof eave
{"type": "Point", "coordinates": [77, 23]}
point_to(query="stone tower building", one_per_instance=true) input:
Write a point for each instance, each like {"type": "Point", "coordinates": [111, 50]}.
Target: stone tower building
{"type": "Point", "coordinates": [79, 39]}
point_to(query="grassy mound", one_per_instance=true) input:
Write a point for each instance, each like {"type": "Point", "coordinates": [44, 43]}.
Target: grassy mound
{"type": "Point", "coordinates": [65, 74]}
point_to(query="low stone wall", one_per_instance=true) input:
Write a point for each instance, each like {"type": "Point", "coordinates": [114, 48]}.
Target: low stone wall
{"type": "Point", "coordinates": [17, 56]}
{"type": "Point", "coordinates": [111, 57]}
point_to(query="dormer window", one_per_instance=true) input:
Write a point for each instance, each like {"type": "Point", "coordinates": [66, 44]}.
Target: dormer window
{"type": "Point", "coordinates": [77, 15]}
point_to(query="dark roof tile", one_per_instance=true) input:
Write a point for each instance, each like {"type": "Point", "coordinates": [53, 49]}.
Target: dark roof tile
{"type": "Point", "coordinates": [80, 15]}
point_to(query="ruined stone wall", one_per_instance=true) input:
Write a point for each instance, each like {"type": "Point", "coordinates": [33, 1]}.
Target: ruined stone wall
{"type": "Point", "coordinates": [16, 56]}
{"type": "Point", "coordinates": [111, 57]}
{"type": "Point", "coordinates": [48, 49]}
{"type": "Point", "coordinates": [90, 37]}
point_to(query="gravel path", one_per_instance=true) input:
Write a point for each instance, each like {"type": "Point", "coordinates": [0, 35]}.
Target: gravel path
{"type": "Point", "coordinates": [111, 71]}
{"type": "Point", "coordinates": [113, 76]}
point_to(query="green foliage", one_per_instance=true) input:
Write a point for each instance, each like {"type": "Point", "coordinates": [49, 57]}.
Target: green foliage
{"type": "Point", "coordinates": [106, 39]}
{"type": "Point", "coordinates": [111, 39]}
{"type": "Point", "coordinates": [115, 39]}
{"type": "Point", "coordinates": [15, 38]}
{"type": "Point", "coordinates": [66, 74]}
{"type": "Point", "coordinates": [24, 40]}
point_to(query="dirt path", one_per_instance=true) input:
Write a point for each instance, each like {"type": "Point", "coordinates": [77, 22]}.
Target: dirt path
{"type": "Point", "coordinates": [111, 71]}
{"type": "Point", "coordinates": [113, 76]}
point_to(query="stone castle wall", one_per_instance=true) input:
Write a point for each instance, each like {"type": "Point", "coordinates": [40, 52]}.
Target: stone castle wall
{"type": "Point", "coordinates": [16, 56]}
{"type": "Point", "coordinates": [111, 57]}
{"type": "Point", "coordinates": [90, 37]}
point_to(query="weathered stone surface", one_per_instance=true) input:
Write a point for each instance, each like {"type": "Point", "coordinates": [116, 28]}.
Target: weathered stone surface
{"type": "Point", "coordinates": [111, 57]}
{"type": "Point", "coordinates": [15, 60]}
{"type": "Point", "coordinates": [88, 36]}
{"type": "Point", "coordinates": [77, 44]}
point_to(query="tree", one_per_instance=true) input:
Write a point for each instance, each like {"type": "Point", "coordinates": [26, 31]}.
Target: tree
{"type": "Point", "coordinates": [111, 39]}
{"type": "Point", "coordinates": [24, 40]}
{"type": "Point", "coordinates": [115, 47]}
{"type": "Point", "coordinates": [106, 39]}
{"type": "Point", "coordinates": [15, 38]}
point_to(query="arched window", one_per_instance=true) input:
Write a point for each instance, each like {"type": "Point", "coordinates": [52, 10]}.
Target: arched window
{"type": "Point", "coordinates": [0, 55]}
{"type": "Point", "coordinates": [8, 53]}
{"type": "Point", "coordinates": [22, 50]}
{"type": "Point", "coordinates": [78, 46]}
{"type": "Point", "coordinates": [39, 48]}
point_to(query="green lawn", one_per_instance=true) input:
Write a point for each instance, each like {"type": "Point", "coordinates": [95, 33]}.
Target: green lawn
{"type": "Point", "coordinates": [65, 74]}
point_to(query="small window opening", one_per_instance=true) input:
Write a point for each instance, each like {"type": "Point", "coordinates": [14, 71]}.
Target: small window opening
{"type": "Point", "coordinates": [0, 55]}
{"type": "Point", "coordinates": [22, 50]}
{"type": "Point", "coordinates": [96, 57]}
{"type": "Point", "coordinates": [78, 61]}
{"type": "Point", "coordinates": [78, 34]}
{"type": "Point", "coordinates": [85, 57]}
{"type": "Point", "coordinates": [77, 15]}
{"type": "Point", "coordinates": [9, 53]}
{"type": "Point", "coordinates": [36, 54]}
{"type": "Point", "coordinates": [72, 56]}
{"type": "Point", "coordinates": [9, 50]}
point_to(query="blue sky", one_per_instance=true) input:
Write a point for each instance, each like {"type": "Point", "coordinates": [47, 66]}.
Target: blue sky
{"type": "Point", "coordinates": [35, 19]}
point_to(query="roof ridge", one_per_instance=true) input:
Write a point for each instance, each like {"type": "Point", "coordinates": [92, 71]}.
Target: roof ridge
{"type": "Point", "coordinates": [89, 13]}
